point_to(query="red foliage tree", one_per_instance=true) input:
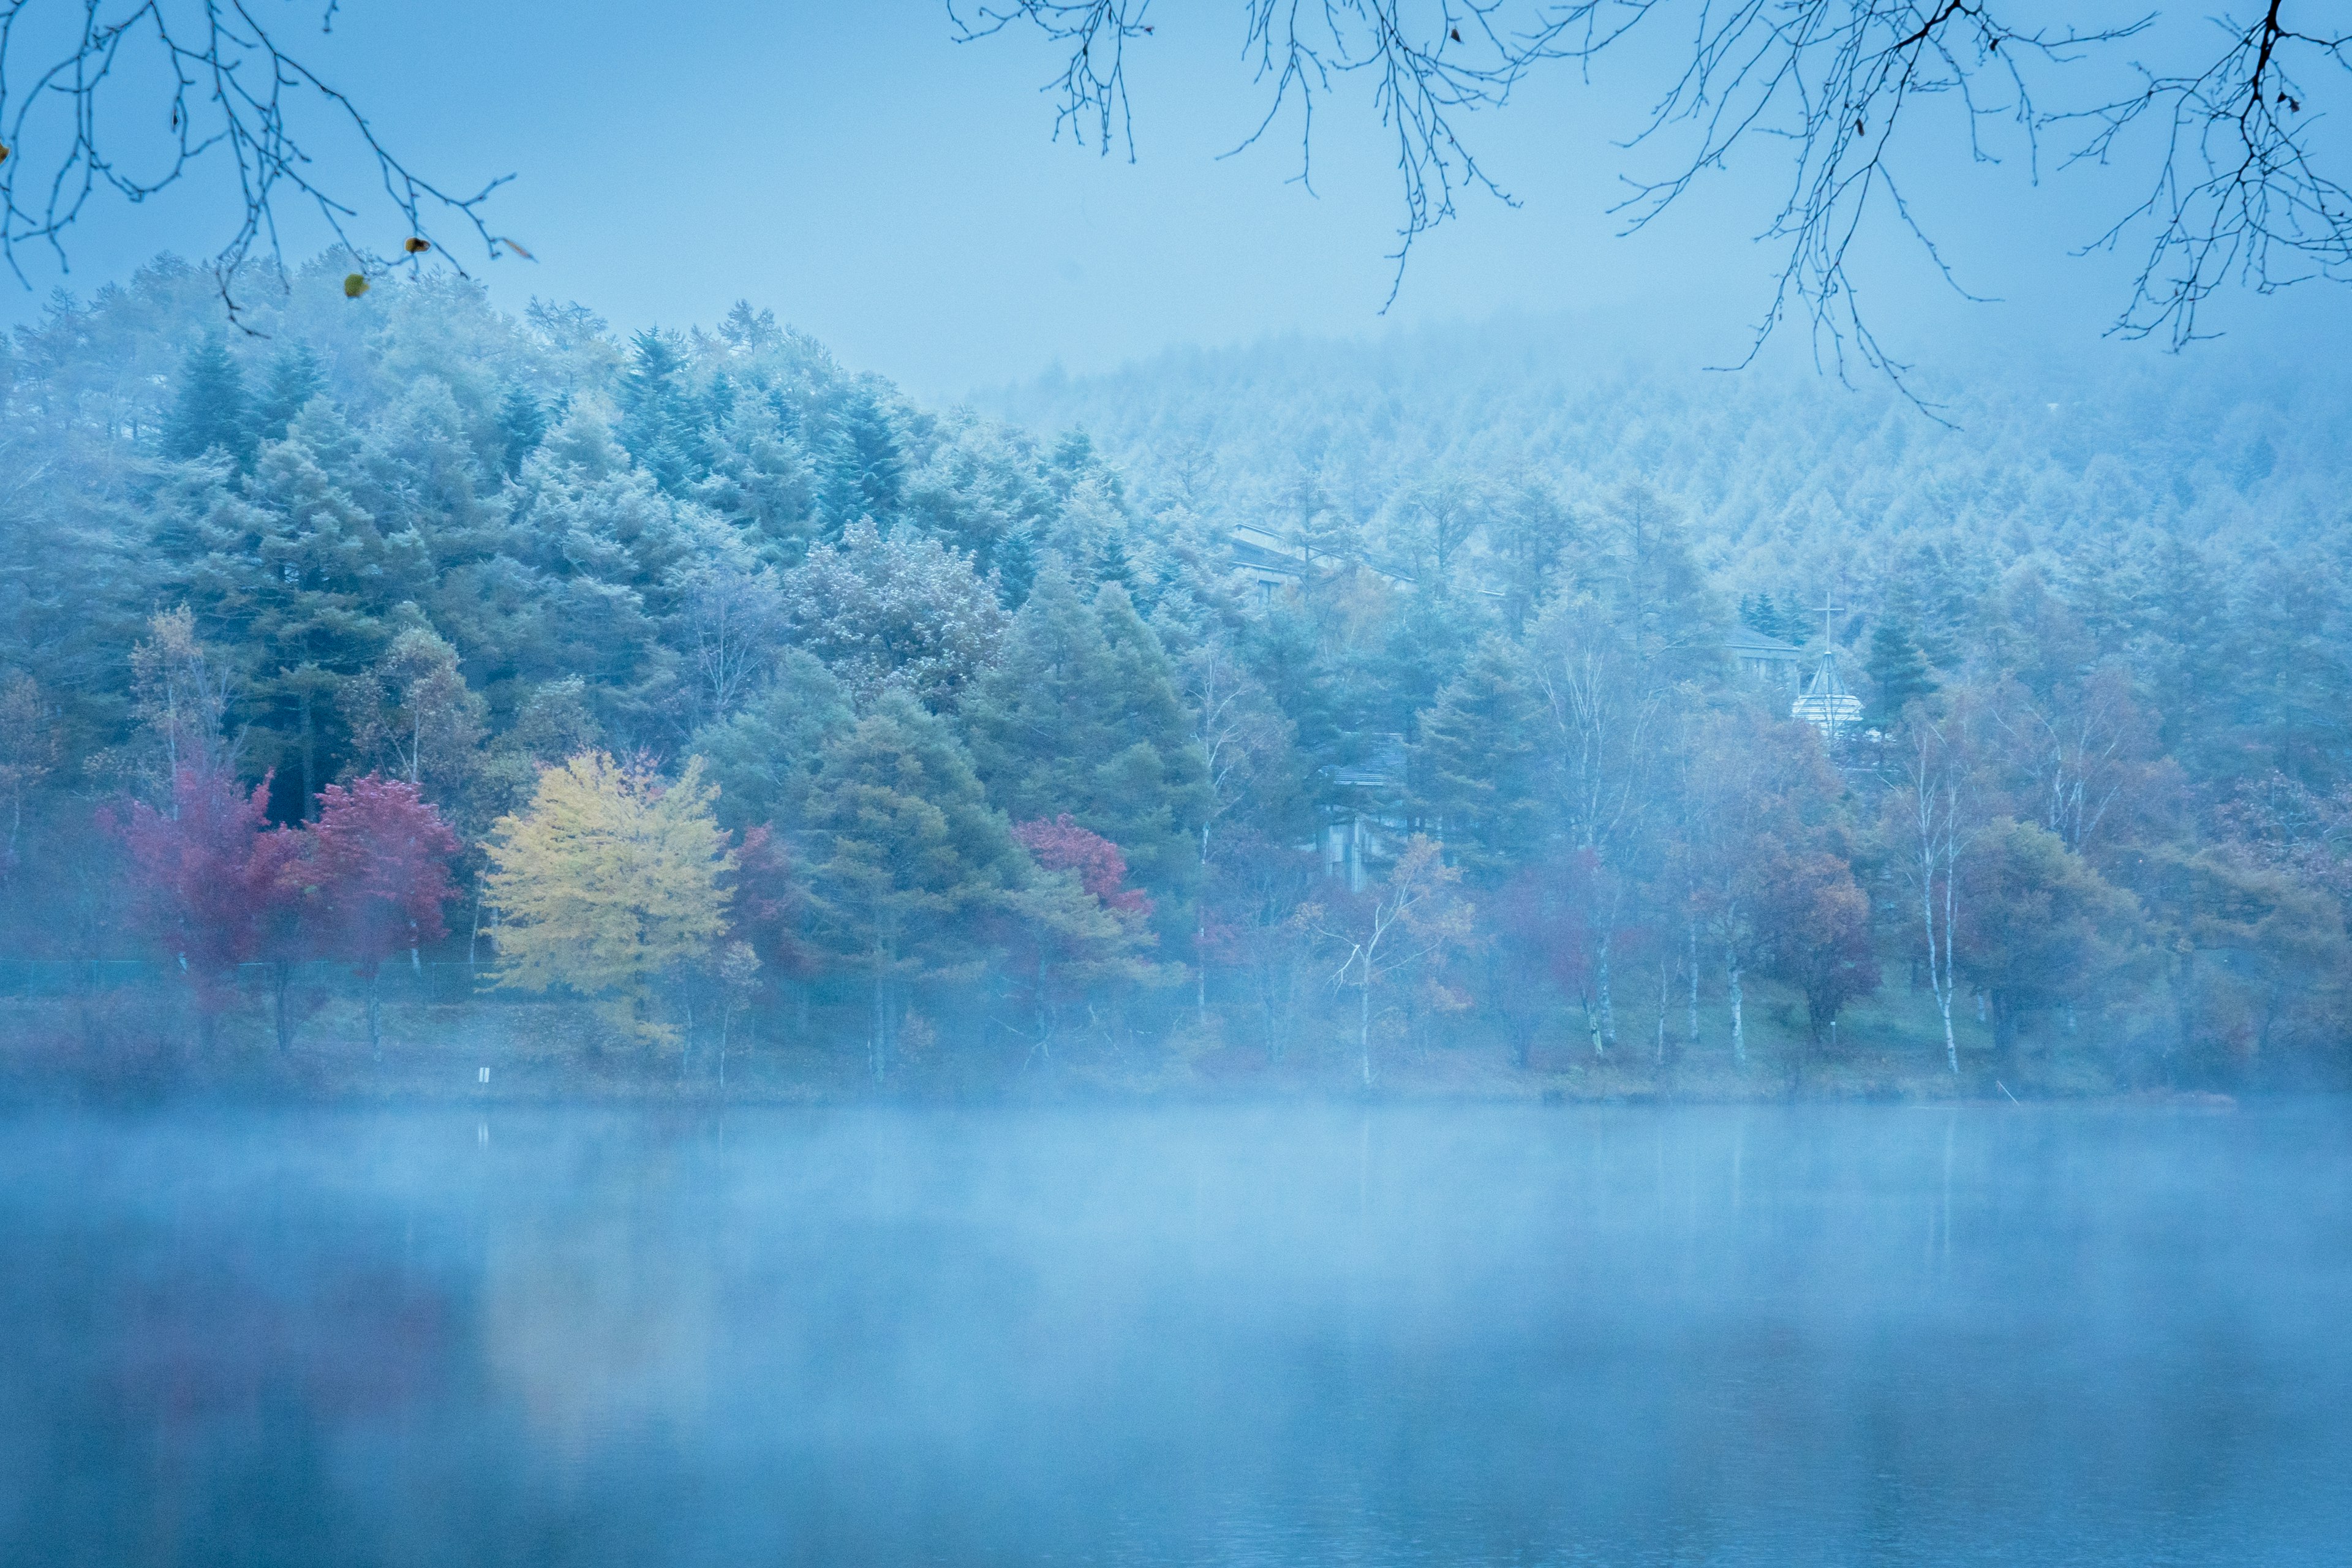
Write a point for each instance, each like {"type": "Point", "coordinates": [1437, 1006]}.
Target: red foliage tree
{"type": "Point", "coordinates": [1069, 939]}
{"type": "Point", "coordinates": [380, 865]}
{"type": "Point", "coordinates": [1818, 934]}
{"type": "Point", "coordinates": [771, 912]}
{"type": "Point", "coordinates": [1062, 844]}
{"type": "Point", "coordinates": [210, 883]}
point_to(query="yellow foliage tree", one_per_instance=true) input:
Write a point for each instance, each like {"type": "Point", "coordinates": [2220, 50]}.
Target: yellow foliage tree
{"type": "Point", "coordinates": [608, 883]}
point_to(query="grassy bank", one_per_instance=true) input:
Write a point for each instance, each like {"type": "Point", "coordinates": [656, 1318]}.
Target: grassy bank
{"type": "Point", "coordinates": [141, 1043]}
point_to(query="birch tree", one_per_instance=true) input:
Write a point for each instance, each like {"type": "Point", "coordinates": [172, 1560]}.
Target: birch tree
{"type": "Point", "coordinates": [1413, 918]}
{"type": "Point", "coordinates": [1928, 820]}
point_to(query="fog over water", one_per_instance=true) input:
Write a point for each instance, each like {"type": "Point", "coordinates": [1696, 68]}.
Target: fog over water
{"type": "Point", "coordinates": [1610, 1336]}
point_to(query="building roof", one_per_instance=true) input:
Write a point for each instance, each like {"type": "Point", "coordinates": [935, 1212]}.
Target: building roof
{"type": "Point", "coordinates": [1751, 644]}
{"type": "Point", "coordinates": [1384, 766]}
{"type": "Point", "coordinates": [1257, 557]}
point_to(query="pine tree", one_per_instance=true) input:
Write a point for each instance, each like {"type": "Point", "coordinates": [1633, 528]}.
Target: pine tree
{"type": "Point", "coordinates": [765, 758]}
{"type": "Point", "coordinates": [1898, 675]}
{"type": "Point", "coordinates": [1154, 793]}
{"type": "Point", "coordinates": [1015, 566]}
{"type": "Point", "coordinates": [912, 861]}
{"type": "Point", "coordinates": [522, 426]}
{"type": "Point", "coordinates": [661, 423]}
{"type": "Point", "coordinates": [1082, 715]}
{"type": "Point", "coordinates": [295, 378]}
{"type": "Point", "coordinates": [1111, 565]}
{"type": "Point", "coordinates": [1482, 751]}
{"type": "Point", "coordinates": [1038, 721]}
{"type": "Point", "coordinates": [1426, 647]}
{"type": "Point", "coordinates": [210, 409]}
{"type": "Point", "coordinates": [310, 597]}
{"type": "Point", "coordinates": [862, 472]}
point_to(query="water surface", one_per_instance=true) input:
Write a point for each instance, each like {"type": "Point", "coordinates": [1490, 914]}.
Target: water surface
{"type": "Point", "coordinates": [1459, 1336]}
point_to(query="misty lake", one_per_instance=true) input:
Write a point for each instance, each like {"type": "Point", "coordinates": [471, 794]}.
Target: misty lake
{"type": "Point", "coordinates": [1468, 1335]}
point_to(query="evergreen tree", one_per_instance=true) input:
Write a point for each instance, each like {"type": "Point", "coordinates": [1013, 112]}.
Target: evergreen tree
{"type": "Point", "coordinates": [1040, 721]}
{"type": "Point", "coordinates": [862, 473]}
{"type": "Point", "coordinates": [1015, 567]}
{"type": "Point", "coordinates": [912, 862]}
{"type": "Point", "coordinates": [765, 758]}
{"type": "Point", "coordinates": [295, 378]}
{"type": "Point", "coordinates": [1528, 533]}
{"type": "Point", "coordinates": [210, 407]}
{"type": "Point", "coordinates": [1082, 716]}
{"type": "Point", "coordinates": [762, 481]}
{"type": "Point", "coordinates": [661, 423]}
{"type": "Point", "coordinates": [1111, 565]}
{"type": "Point", "coordinates": [1153, 794]}
{"type": "Point", "coordinates": [1898, 676]}
{"type": "Point", "coordinates": [1426, 647]}
{"type": "Point", "coordinates": [522, 426]}
{"type": "Point", "coordinates": [1483, 756]}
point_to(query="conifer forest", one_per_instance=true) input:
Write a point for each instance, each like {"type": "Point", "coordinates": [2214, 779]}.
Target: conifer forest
{"type": "Point", "coordinates": [391, 685]}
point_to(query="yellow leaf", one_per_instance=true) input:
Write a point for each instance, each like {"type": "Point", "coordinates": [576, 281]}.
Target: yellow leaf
{"type": "Point", "coordinates": [417, 246]}
{"type": "Point", "coordinates": [610, 882]}
{"type": "Point", "coordinates": [354, 286]}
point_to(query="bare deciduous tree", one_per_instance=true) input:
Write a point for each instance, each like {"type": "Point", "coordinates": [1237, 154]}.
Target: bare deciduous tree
{"type": "Point", "coordinates": [86, 90]}
{"type": "Point", "coordinates": [1929, 815]}
{"type": "Point", "coordinates": [2238, 186]}
{"type": "Point", "coordinates": [734, 613]}
{"type": "Point", "coordinates": [1414, 918]}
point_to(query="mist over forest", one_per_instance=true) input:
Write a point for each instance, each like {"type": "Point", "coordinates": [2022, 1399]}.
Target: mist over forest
{"type": "Point", "coordinates": [1490, 711]}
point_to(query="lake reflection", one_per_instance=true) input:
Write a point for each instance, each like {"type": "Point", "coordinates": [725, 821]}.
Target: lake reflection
{"type": "Point", "coordinates": [1622, 1336]}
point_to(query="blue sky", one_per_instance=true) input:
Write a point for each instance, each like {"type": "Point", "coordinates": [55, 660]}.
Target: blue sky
{"type": "Point", "coordinates": [902, 197]}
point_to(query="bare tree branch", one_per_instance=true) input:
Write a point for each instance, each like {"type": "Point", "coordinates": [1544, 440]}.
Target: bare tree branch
{"type": "Point", "coordinates": [85, 90]}
{"type": "Point", "coordinates": [2239, 193]}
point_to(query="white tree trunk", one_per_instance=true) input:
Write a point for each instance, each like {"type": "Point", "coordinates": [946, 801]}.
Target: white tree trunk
{"type": "Point", "coordinates": [1739, 1025]}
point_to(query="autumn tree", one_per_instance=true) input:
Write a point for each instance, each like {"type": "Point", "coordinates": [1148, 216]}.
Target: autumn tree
{"type": "Point", "coordinates": [1757, 791]}
{"type": "Point", "coordinates": [2258, 964]}
{"type": "Point", "coordinates": [771, 915]}
{"type": "Point", "coordinates": [179, 692]}
{"type": "Point", "coordinates": [612, 883]}
{"type": "Point", "coordinates": [380, 874]}
{"type": "Point", "coordinates": [1079, 926]}
{"type": "Point", "coordinates": [1402, 930]}
{"type": "Point", "coordinates": [2037, 927]}
{"type": "Point", "coordinates": [1818, 933]}
{"type": "Point", "coordinates": [211, 883]}
{"type": "Point", "coordinates": [414, 718]}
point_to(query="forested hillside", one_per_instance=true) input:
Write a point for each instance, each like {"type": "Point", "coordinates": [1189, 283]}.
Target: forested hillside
{"type": "Point", "coordinates": [720, 689]}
